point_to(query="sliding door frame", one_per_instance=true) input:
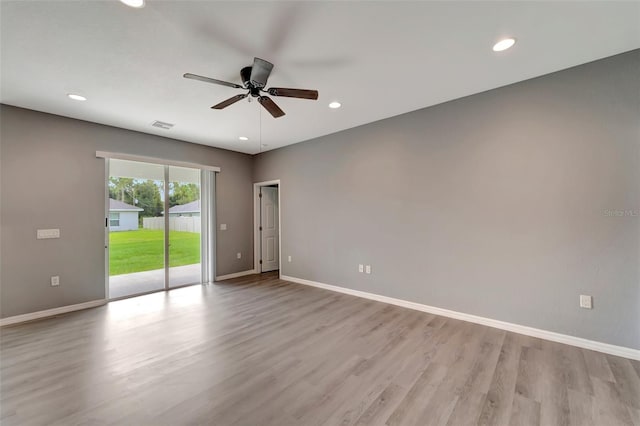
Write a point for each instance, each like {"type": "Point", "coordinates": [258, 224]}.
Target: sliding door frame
{"type": "Point", "coordinates": [207, 217]}
{"type": "Point", "coordinates": [208, 211]}
{"type": "Point", "coordinates": [107, 246]}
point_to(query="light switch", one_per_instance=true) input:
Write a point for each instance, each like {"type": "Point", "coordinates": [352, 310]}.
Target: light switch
{"type": "Point", "coordinates": [223, 226]}
{"type": "Point", "coordinates": [43, 234]}
{"type": "Point", "coordinates": [367, 269]}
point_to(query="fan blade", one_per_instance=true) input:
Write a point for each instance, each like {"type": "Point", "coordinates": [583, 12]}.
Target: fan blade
{"type": "Point", "coordinates": [229, 101]}
{"type": "Point", "coordinates": [212, 80]}
{"type": "Point", "coordinates": [260, 72]}
{"type": "Point", "coordinates": [294, 93]}
{"type": "Point", "coordinates": [271, 106]}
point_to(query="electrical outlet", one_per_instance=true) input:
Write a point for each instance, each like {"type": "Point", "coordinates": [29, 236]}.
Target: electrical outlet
{"type": "Point", "coordinates": [55, 281]}
{"type": "Point", "coordinates": [239, 255]}
{"type": "Point", "coordinates": [367, 269]}
{"type": "Point", "coordinates": [289, 259]}
{"type": "Point", "coordinates": [586, 302]}
{"type": "Point", "coordinates": [361, 268]}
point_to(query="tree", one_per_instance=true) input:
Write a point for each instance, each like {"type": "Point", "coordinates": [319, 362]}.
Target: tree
{"type": "Point", "coordinates": [147, 197]}
{"type": "Point", "coordinates": [183, 193]}
{"type": "Point", "coordinates": [121, 188]}
{"type": "Point", "coordinates": [146, 194]}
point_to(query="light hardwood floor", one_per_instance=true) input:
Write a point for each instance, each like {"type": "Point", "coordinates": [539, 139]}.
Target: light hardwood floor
{"type": "Point", "coordinates": [261, 351]}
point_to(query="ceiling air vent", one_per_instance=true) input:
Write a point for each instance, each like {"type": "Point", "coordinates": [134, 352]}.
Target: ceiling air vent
{"type": "Point", "coordinates": [162, 125]}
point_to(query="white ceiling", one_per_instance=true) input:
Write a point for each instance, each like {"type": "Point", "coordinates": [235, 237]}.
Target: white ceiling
{"type": "Point", "coordinates": [379, 59]}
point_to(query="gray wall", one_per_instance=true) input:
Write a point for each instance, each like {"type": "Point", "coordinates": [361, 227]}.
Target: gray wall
{"type": "Point", "coordinates": [503, 204]}
{"type": "Point", "coordinates": [493, 205]}
{"type": "Point", "coordinates": [51, 178]}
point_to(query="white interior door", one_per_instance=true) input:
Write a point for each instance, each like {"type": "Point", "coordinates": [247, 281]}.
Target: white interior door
{"type": "Point", "coordinates": [269, 229]}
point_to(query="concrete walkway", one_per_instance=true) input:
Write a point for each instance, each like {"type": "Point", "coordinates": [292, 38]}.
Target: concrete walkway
{"type": "Point", "coordinates": [142, 282]}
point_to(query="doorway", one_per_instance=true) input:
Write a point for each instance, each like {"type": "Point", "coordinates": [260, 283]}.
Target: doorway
{"type": "Point", "coordinates": [267, 226]}
{"type": "Point", "coordinates": [157, 222]}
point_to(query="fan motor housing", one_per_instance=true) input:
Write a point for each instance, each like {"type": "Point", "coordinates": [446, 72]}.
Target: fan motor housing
{"type": "Point", "coordinates": [245, 75]}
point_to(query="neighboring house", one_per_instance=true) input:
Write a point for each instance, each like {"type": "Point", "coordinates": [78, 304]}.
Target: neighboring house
{"type": "Point", "coordinates": [191, 209]}
{"type": "Point", "coordinates": [123, 216]}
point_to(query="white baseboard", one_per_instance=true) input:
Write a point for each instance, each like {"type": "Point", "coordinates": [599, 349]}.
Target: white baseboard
{"type": "Point", "coordinates": [521, 329]}
{"type": "Point", "coordinates": [51, 312]}
{"type": "Point", "coordinates": [236, 275]}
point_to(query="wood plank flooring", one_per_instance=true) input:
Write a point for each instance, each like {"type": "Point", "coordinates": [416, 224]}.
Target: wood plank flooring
{"type": "Point", "coordinates": [260, 351]}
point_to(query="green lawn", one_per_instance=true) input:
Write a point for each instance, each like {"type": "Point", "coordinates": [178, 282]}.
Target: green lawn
{"type": "Point", "coordinates": [143, 250]}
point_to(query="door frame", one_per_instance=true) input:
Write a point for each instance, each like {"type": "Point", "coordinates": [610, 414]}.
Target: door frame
{"type": "Point", "coordinates": [256, 224]}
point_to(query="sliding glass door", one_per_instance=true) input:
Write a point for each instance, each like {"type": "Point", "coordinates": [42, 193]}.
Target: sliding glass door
{"type": "Point", "coordinates": [156, 215]}
{"type": "Point", "coordinates": [136, 228]}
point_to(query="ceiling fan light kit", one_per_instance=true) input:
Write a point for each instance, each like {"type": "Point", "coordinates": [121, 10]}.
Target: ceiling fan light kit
{"type": "Point", "coordinates": [254, 80]}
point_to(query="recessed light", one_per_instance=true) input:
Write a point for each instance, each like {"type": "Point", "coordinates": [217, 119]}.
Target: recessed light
{"type": "Point", "coordinates": [243, 138]}
{"type": "Point", "coordinates": [134, 3]}
{"type": "Point", "coordinates": [335, 105]}
{"type": "Point", "coordinates": [76, 97]}
{"type": "Point", "coordinates": [504, 44]}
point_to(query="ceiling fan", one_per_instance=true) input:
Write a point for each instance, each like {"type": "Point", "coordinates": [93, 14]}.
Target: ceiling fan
{"type": "Point", "coordinates": [254, 80]}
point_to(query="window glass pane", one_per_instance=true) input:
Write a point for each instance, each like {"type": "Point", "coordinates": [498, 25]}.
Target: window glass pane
{"type": "Point", "coordinates": [184, 226]}
{"type": "Point", "coordinates": [114, 219]}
